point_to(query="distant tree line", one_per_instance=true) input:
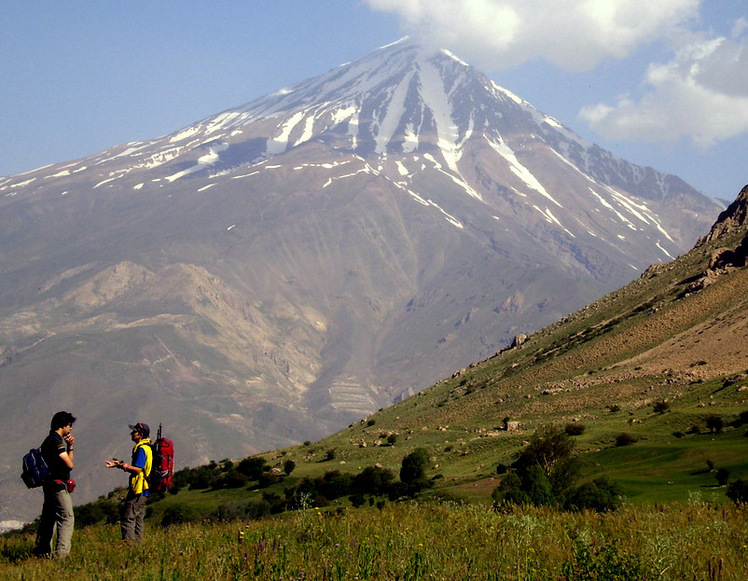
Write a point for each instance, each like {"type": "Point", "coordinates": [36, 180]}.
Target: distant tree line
{"type": "Point", "coordinates": [373, 484]}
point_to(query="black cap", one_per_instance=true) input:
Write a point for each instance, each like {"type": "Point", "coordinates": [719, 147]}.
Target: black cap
{"type": "Point", "coordinates": [142, 428]}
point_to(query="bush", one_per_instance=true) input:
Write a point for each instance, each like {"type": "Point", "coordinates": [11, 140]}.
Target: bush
{"type": "Point", "coordinates": [231, 479]}
{"type": "Point", "coordinates": [266, 479]}
{"type": "Point", "coordinates": [660, 407]}
{"type": "Point", "coordinates": [288, 467]}
{"type": "Point", "coordinates": [741, 420]}
{"type": "Point", "coordinates": [333, 485]}
{"type": "Point", "coordinates": [601, 495]}
{"type": "Point", "coordinates": [738, 492]}
{"type": "Point", "coordinates": [373, 480]}
{"type": "Point", "coordinates": [625, 439]}
{"type": "Point", "coordinates": [714, 424]}
{"type": "Point", "coordinates": [175, 515]}
{"type": "Point", "coordinates": [357, 500]}
{"type": "Point", "coordinates": [575, 429]}
{"type": "Point", "coordinates": [723, 475]}
{"type": "Point", "coordinates": [253, 467]}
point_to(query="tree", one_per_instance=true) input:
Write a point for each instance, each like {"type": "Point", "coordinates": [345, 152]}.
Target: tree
{"type": "Point", "coordinates": [413, 470]}
{"type": "Point", "coordinates": [373, 480]}
{"type": "Point", "coordinates": [546, 472]}
{"type": "Point", "coordinates": [548, 447]}
{"type": "Point", "coordinates": [253, 467]}
{"type": "Point", "coordinates": [288, 467]}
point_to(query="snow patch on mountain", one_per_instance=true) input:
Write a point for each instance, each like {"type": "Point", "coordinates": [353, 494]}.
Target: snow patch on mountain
{"type": "Point", "coordinates": [204, 161]}
{"type": "Point", "coordinates": [518, 169]}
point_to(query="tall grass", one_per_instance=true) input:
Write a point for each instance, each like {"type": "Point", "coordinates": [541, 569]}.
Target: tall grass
{"type": "Point", "coordinates": [412, 541]}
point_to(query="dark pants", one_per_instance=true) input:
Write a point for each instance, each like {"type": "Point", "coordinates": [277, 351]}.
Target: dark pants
{"type": "Point", "coordinates": [57, 514]}
{"type": "Point", "coordinates": [132, 517]}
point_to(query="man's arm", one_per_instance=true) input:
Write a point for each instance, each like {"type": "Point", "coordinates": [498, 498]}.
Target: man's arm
{"type": "Point", "coordinates": [68, 456]}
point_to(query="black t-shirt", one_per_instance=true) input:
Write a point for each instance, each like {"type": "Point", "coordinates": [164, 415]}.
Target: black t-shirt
{"type": "Point", "coordinates": [52, 447]}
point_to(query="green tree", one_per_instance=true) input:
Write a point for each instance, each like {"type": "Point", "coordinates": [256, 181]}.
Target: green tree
{"type": "Point", "coordinates": [253, 467]}
{"type": "Point", "coordinates": [413, 471]}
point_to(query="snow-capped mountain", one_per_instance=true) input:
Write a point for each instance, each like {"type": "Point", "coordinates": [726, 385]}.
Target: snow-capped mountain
{"type": "Point", "coordinates": [283, 268]}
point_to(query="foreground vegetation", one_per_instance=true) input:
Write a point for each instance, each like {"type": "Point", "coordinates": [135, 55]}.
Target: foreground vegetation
{"type": "Point", "coordinates": [411, 541]}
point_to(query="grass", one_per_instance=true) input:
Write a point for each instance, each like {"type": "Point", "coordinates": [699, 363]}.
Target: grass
{"type": "Point", "coordinates": [415, 541]}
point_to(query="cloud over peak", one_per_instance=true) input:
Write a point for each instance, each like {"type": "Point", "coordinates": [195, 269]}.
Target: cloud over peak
{"type": "Point", "coordinates": [696, 89]}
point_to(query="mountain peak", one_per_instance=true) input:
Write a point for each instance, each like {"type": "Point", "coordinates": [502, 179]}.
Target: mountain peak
{"type": "Point", "coordinates": [733, 218]}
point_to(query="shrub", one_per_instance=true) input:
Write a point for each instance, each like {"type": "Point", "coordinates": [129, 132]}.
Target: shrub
{"type": "Point", "coordinates": [201, 479]}
{"type": "Point", "coordinates": [601, 495]}
{"type": "Point", "coordinates": [175, 515]}
{"type": "Point", "coordinates": [373, 480]}
{"type": "Point", "coordinates": [266, 479]}
{"type": "Point", "coordinates": [333, 485]}
{"type": "Point", "coordinates": [575, 429]}
{"type": "Point", "coordinates": [660, 407]}
{"type": "Point", "coordinates": [288, 467]}
{"type": "Point", "coordinates": [723, 475]}
{"type": "Point", "coordinates": [253, 467]}
{"type": "Point", "coordinates": [741, 420]}
{"type": "Point", "coordinates": [714, 424]}
{"type": "Point", "coordinates": [738, 492]}
{"type": "Point", "coordinates": [357, 500]}
{"type": "Point", "coordinates": [230, 479]}
{"type": "Point", "coordinates": [625, 439]}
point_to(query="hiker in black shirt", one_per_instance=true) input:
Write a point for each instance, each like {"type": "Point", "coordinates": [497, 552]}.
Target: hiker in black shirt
{"type": "Point", "coordinates": [57, 513]}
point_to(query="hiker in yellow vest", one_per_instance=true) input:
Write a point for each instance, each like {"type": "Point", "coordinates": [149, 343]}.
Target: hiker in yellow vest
{"type": "Point", "coordinates": [139, 470]}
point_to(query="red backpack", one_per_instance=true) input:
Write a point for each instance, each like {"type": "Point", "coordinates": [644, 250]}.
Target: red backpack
{"type": "Point", "coordinates": [162, 470]}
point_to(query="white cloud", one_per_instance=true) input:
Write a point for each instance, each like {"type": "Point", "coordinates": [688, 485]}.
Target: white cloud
{"type": "Point", "coordinates": [702, 93]}
{"type": "Point", "coordinates": [572, 34]}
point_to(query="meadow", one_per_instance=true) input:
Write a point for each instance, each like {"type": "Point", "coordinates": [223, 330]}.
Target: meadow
{"type": "Point", "coordinates": [415, 541]}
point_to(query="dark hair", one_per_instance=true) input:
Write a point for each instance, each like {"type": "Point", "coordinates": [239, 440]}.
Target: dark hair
{"type": "Point", "coordinates": [61, 419]}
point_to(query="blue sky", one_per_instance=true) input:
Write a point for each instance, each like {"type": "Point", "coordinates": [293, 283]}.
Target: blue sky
{"type": "Point", "coordinates": [661, 83]}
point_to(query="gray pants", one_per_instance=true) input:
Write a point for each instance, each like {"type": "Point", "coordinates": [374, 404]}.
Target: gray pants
{"type": "Point", "coordinates": [132, 517]}
{"type": "Point", "coordinates": [57, 515]}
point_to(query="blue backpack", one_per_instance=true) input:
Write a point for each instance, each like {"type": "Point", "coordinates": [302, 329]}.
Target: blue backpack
{"type": "Point", "coordinates": [35, 470]}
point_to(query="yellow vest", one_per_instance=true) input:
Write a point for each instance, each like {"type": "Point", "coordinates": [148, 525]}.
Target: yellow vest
{"type": "Point", "coordinates": [139, 482]}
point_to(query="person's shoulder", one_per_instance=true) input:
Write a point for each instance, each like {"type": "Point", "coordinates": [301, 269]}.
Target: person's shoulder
{"type": "Point", "coordinates": [52, 438]}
